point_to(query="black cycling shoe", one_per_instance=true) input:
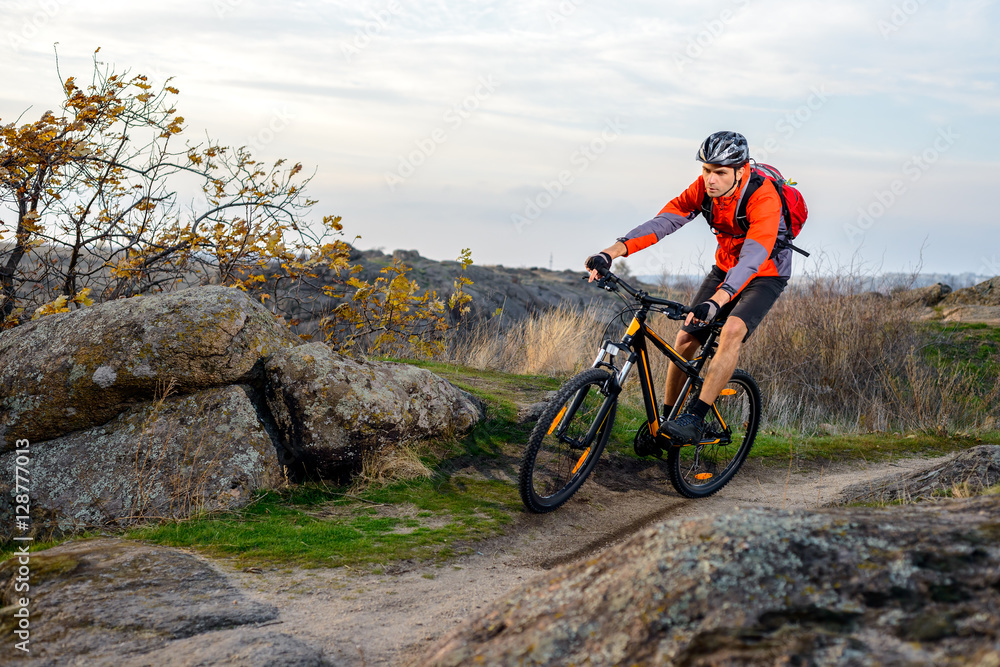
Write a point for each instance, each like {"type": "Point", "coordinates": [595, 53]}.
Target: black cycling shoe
{"type": "Point", "coordinates": [686, 429]}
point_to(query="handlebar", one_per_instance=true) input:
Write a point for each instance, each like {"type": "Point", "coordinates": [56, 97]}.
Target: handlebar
{"type": "Point", "coordinates": [672, 309]}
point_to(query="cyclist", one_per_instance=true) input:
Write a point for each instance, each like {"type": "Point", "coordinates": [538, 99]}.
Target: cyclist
{"type": "Point", "coordinates": [749, 273]}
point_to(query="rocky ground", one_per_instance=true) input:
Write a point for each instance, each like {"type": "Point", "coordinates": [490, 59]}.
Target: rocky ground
{"type": "Point", "coordinates": [114, 602]}
{"type": "Point", "coordinates": [109, 601]}
{"type": "Point", "coordinates": [979, 304]}
{"type": "Point", "coordinates": [392, 618]}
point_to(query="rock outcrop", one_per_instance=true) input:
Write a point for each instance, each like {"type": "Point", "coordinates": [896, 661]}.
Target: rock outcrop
{"type": "Point", "coordinates": [86, 391]}
{"type": "Point", "coordinates": [116, 603]}
{"type": "Point", "coordinates": [968, 473]}
{"type": "Point", "coordinates": [914, 585]}
{"type": "Point", "coordinates": [926, 297]}
{"type": "Point", "coordinates": [170, 459]}
{"type": "Point", "coordinates": [71, 371]}
{"type": "Point", "coordinates": [986, 293]}
{"type": "Point", "coordinates": [330, 410]}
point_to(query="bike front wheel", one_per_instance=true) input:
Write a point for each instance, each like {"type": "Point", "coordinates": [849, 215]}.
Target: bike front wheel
{"type": "Point", "coordinates": [567, 440]}
{"type": "Point", "coordinates": [697, 471]}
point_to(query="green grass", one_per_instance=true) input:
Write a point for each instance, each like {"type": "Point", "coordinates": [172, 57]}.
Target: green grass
{"type": "Point", "coordinates": [435, 518]}
{"type": "Point", "coordinates": [316, 525]}
{"type": "Point", "coordinates": [871, 447]}
{"type": "Point", "coordinates": [971, 347]}
{"type": "Point", "coordinates": [322, 526]}
{"type": "Point", "coordinates": [773, 447]}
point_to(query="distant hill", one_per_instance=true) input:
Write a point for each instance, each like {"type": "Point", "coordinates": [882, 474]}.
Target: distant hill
{"type": "Point", "coordinates": [503, 294]}
{"type": "Point", "coordinates": [883, 282]}
{"type": "Point", "coordinates": [514, 292]}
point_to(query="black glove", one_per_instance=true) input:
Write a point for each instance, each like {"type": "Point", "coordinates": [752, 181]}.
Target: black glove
{"type": "Point", "coordinates": [705, 311]}
{"type": "Point", "coordinates": [601, 261]}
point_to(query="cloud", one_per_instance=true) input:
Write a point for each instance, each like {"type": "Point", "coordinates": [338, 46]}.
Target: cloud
{"type": "Point", "coordinates": [366, 81]}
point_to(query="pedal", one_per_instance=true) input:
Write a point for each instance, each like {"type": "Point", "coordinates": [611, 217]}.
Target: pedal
{"type": "Point", "coordinates": [712, 438]}
{"type": "Point", "coordinates": [663, 440]}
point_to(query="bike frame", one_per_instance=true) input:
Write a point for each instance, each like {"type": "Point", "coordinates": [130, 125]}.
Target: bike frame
{"type": "Point", "coordinates": [634, 342]}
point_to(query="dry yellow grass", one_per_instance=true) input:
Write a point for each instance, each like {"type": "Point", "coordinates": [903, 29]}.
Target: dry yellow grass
{"type": "Point", "coordinates": [392, 464]}
{"type": "Point", "coordinates": [824, 354]}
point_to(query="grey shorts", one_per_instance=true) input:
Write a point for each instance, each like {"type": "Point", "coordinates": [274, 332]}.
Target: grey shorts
{"type": "Point", "coordinates": [750, 305]}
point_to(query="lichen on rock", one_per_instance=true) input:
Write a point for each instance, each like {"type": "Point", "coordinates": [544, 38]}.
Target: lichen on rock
{"type": "Point", "coordinates": [331, 410]}
{"type": "Point", "coordinates": [911, 585]}
{"type": "Point", "coordinates": [71, 371]}
{"type": "Point", "coordinates": [115, 602]}
{"type": "Point", "coordinates": [170, 459]}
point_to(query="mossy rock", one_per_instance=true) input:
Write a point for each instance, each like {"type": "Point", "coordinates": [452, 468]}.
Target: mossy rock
{"type": "Point", "coordinates": [71, 371]}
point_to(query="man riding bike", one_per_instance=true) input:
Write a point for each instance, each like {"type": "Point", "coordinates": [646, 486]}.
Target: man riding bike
{"type": "Point", "coordinates": [750, 272]}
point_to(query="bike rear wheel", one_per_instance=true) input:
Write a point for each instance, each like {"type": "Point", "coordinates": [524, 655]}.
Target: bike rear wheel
{"type": "Point", "coordinates": [697, 471]}
{"type": "Point", "coordinates": [567, 441]}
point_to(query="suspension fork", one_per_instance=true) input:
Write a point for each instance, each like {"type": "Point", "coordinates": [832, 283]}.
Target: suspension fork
{"type": "Point", "coordinates": [612, 389]}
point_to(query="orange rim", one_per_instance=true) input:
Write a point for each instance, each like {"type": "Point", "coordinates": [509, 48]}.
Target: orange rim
{"type": "Point", "coordinates": [580, 462]}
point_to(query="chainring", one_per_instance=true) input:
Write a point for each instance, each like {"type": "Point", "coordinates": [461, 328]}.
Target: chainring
{"type": "Point", "coordinates": [645, 444]}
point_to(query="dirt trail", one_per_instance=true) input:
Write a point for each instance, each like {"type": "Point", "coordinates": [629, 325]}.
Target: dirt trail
{"type": "Point", "coordinates": [391, 618]}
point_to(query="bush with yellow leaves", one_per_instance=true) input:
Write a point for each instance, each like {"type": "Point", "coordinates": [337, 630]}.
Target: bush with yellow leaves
{"type": "Point", "coordinates": [96, 191]}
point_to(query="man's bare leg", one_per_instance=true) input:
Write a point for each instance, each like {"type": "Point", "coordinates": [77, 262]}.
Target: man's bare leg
{"type": "Point", "coordinates": [689, 427]}
{"type": "Point", "coordinates": [685, 345]}
{"type": "Point", "coordinates": [724, 362]}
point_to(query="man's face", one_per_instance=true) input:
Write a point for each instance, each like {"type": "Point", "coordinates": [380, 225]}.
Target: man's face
{"type": "Point", "coordinates": [718, 179]}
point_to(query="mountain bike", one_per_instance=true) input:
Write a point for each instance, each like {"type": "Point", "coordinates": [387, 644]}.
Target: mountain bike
{"type": "Point", "coordinates": [575, 426]}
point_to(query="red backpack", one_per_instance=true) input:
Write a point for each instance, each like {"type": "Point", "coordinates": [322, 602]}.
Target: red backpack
{"type": "Point", "coordinates": [793, 206]}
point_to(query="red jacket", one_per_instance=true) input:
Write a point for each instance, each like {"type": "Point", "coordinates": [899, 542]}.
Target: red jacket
{"type": "Point", "coordinates": [741, 257]}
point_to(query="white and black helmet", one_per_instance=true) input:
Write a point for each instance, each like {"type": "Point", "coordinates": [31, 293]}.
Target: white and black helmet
{"type": "Point", "coordinates": [728, 149]}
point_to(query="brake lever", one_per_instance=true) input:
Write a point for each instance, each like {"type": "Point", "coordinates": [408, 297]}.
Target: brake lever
{"type": "Point", "coordinates": [603, 283]}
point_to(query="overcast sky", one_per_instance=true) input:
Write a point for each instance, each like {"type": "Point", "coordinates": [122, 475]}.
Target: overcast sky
{"type": "Point", "coordinates": [538, 131]}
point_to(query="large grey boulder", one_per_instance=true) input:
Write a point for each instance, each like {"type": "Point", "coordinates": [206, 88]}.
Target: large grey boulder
{"type": "Point", "coordinates": [330, 409]}
{"type": "Point", "coordinates": [914, 585]}
{"type": "Point", "coordinates": [203, 451]}
{"type": "Point", "coordinates": [72, 371]}
{"type": "Point", "coordinates": [114, 602]}
{"type": "Point", "coordinates": [923, 296]}
{"type": "Point", "coordinates": [986, 293]}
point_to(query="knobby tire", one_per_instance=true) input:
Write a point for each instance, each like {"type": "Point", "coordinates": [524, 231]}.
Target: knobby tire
{"type": "Point", "coordinates": [698, 471]}
{"type": "Point", "coordinates": [559, 457]}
